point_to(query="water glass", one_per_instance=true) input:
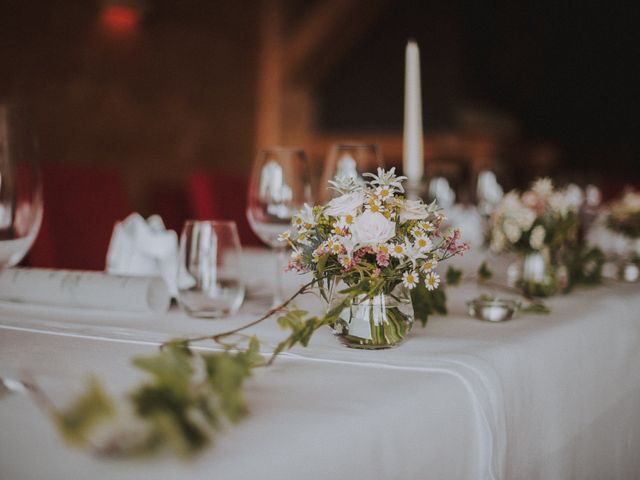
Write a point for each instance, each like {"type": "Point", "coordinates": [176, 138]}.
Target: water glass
{"type": "Point", "coordinates": [20, 185]}
{"type": "Point", "coordinates": [209, 271]}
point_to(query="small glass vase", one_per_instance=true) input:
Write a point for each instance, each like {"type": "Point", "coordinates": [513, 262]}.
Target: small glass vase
{"type": "Point", "coordinates": [382, 321]}
{"type": "Point", "coordinates": [538, 276]}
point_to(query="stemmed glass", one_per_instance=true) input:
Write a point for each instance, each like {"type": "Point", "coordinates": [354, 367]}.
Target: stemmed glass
{"type": "Point", "coordinates": [20, 186]}
{"type": "Point", "coordinates": [279, 186]}
{"type": "Point", "coordinates": [349, 160]}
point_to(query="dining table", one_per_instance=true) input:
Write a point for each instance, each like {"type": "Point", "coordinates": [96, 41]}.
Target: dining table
{"type": "Point", "coordinates": [542, 396]}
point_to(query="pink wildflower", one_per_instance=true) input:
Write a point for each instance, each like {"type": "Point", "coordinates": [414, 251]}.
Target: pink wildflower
{"type": "Point", "coordinates": [382, 258]}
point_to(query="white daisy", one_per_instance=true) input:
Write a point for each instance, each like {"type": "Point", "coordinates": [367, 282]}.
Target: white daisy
{"type": "Point", "coordinates": [418, 232]}
{"type": "Point", "coordinates": [345, 261]}
{"type": "Point", "coordinates": [384, 248]}
{"type": "Point", "coordinates": [398, 250]}
{"type": "Point", "coordinates": [426, 226]}
{"type": "Point", "coordinates": [429, 265]}
{"type": "Point", "coordinates": [410, 280]}
{"type": "Point", "coordinates": [335, 248]}
{"type": "Point", "coordinates": [424, 244]}
{"type": "Point", "coordinates": [432, 281]}
{"type": "Point", "coordinates": [374, 206]}
{"type": "Point", "coordinates": [384, 192]}
{"type": "Point", "coordinates": [284, 236]}
{"type": "Point", "coordinates": [345, 221]}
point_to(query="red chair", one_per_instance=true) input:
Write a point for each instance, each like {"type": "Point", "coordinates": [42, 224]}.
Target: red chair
{"type": "Point", "coordinates": [81, 206]}
{"type": "Point", "coordinates": [221, 196]}
{"type": "Point", "coordinates": [172, 204]}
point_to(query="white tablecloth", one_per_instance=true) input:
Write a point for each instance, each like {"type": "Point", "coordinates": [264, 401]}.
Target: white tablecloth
{"type": "Point", "coordinates": [540, 397]}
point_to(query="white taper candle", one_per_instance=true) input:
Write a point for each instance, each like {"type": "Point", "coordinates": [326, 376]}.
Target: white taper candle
{"type": "Point", "coordinates": [412, 146]}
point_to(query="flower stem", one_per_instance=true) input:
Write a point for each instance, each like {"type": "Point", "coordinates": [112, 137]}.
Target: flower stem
{"type": "Point", "coordinates": [216, 338]}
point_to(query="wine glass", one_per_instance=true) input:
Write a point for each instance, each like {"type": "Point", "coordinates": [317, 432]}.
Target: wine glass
{"type": "Point", "coordinates": [209, 275]}
{"type": "Point", "coordinates": [349, 160]}
{"type": "Point", "coordinates": [279, 186]}
{"type": "Point", "coordinates": [20, 186]}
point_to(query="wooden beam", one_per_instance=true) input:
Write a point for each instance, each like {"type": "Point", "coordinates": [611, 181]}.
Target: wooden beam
{"type": "Point", "coordinates": [270, 76]}
{"type": "Point", "coordinates": [315, 31]}
{"type": "Point", "coordinates": [326, 35]}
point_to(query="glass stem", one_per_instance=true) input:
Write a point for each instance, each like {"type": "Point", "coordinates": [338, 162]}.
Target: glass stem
{"type": "Point", "coordinates": [280, 259]}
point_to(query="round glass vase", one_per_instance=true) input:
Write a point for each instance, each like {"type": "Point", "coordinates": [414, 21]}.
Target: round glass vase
{"type": "Point", "coordinates": [538, 276]}
{"type": "Point", "coordinates": [372, 323]}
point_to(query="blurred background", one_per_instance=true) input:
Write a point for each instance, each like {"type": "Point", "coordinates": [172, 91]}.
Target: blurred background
{"type": "Point", "coordinates": [153, 90]}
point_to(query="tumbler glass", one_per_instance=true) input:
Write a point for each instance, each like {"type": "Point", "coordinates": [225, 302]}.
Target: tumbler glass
{"type": "Point", "coordinates": [210, 269]}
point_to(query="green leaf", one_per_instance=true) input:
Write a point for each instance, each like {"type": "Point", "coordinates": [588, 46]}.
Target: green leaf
{"type": "Point", "coordinates": [537, 308]}
{"type": "Point", "coordinates": [427, 302]}
{"type": "Point", "coordinates": [453, 276]}
{"type": "Point", "coordinates": [171, 366]}
{"type": "Point", "coordinates": [169, 416]}
{"type": "Point", "coordinates": [78, 421]}
{"type": "Point", "coordinates": [226, 373]}
{"type": "Point", "coordinates": [484, 272]}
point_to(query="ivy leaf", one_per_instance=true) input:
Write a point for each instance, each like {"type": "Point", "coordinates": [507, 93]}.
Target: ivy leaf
{"type": "Point", "coordinates": [171, 366]}
{"type": "Point", "coordinates": [226, 373]}
{"type": "Point", "coordinates": [537, 308]}
{"type": "Point", "coordinates": [88, 410]}
{"type": "Point", "coordinates": [484, 272]}
{"type": "Point", "coordinates": [427, 302]}
{"type": "Point", "coordinates": [303, 329]}
{"type": "Point", "coordinates": [453, 276]}
{"type": "Point", "coordinates": [169, 415]}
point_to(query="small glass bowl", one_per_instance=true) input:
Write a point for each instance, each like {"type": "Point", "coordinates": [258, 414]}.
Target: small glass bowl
{"type": "Point", "coordinates": [493, 309]}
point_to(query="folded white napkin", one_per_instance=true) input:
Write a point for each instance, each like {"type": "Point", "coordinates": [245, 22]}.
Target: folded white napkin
{"type": "Point", "coordinates": [142, 247]}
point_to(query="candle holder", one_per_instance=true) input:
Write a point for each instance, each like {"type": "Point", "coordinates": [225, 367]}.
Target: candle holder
{"type": "Point", "coordinates": [416, 190]}
{"type": "Point", "coordinates": [492, 309]}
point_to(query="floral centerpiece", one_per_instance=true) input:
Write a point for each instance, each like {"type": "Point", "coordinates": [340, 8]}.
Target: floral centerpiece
{"type": "Point", "coordinates": [372, 251]}
{"type": "Point", "coordinates": [624, 218]}
{"type": "Point", "coordinates": [541, 224]}
{"type": "Point", "coordinates": [624, 215]}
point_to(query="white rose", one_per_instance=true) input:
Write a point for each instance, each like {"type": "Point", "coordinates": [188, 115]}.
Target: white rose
{"type": "Point", "coordinates": [372, 229]}
{"type": "Point", "coordinates": [574, 195]}
{"type": "Point", "coordinates": [536, 239]}
{"type": "Point", "coordinates": [511, 230]}
{"type": "Point", "coordinates": [345, 204]}
{"type": "Point", "coordinates": [560, 204]}
{"type": "Point", "coordinates": [413, 210]}
{"type": "Point", "coordinates": [543, 187]}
